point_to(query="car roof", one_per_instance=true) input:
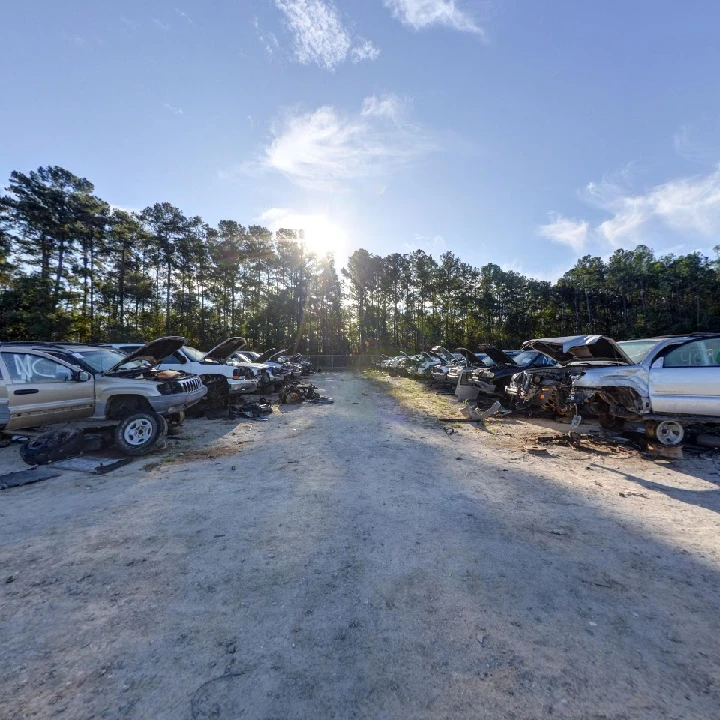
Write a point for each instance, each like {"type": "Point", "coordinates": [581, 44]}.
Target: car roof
{"type": "Point", "coordinates": [45, 345]}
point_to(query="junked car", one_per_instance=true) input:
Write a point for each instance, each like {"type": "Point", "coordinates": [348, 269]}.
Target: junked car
{"type": "Point", "coordinates": [550, 388]}
{"type": "Point", "coordinates": [675, 384]}
{"type": "Point", "coordinates": [44, 383]}
{"type": "Point", "coordinates": [494, 380]}
{"type": "Point", "coordinates": [224, 382]}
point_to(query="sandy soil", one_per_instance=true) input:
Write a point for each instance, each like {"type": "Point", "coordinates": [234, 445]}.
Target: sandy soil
{"type": "Point", "coordinates": [356, 561]}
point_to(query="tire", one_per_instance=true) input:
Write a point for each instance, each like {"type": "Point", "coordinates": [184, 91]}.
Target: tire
{"type": "Point", "coordinates": [52, 446]}
{"type": "Point", "coordinates": [667, 432]}
{"type": "Point", "coordinates": [140, 433]}
{"type": "Point", "coordinates": [611, 422]}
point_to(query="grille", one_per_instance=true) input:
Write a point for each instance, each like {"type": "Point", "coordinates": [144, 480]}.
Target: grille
{"type": "Point", "coordinates": [191, 384]}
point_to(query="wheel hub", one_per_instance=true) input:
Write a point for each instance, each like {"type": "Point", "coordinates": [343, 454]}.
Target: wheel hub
{"type": "Point", "coordinates": [670, 432]}
{"type": "Point", "coordinates": [138, 432]}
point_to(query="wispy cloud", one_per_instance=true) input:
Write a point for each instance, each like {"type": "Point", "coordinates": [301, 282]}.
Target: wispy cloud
{"type": "Point", "coordinates": [269, 41]}
{"type": "Point", "coordinates": [185, 16]}
{"type": "Point", "coordinates": [420, 14]}
{"type": "Point", "coordinates": [319, 35]}
{"type": "Point", "coordinates": [161, 24]}
{"type": "Point", "coordinates": [565, 231]}
{"type": "Point", "coordinates": [364, 51]}
{"type": "Point", "coordinates": [685, 206]}
{"type": "Point", "coordinates": [433, 245]}
{"type": "Point", "coordinates": [174, 109]}
{"type": "Point", "coordinates": [326, 148]}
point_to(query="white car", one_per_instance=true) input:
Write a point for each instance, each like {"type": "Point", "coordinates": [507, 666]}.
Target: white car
{"type": "Point", "coordinates": [222, 380]}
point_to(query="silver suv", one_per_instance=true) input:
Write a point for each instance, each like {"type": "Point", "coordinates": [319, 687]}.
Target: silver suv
{"type": "Point", "coordinates": [45, 383]}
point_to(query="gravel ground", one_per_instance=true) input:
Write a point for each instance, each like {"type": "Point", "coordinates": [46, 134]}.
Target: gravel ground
{"type": "Point", "coordinates": [355, 561]}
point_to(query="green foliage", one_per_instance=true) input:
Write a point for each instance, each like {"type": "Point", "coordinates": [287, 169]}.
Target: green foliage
{"type": "Point", "coordinates": [72, 268]}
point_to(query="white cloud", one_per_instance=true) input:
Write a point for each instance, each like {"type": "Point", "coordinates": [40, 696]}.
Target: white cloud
{"type": "Point", "coordinates": [687, 206]}
{"type": "Point", "coordinates": [174, 109]}
{"type": "Point", "coordinates": [420, 14]}
{"type": "Point", "coordinates": [364, 51]}
{"type": "Point", "coordinates": [319, 34]}
{"type": "Point", "coordinates": [565, 231]}
{"type": "Point", "coordinates": [327, 148]}
{"type": "Point", "coordinates": [434, 245]}
{"type": "Point", "coordinates": [161, 24]}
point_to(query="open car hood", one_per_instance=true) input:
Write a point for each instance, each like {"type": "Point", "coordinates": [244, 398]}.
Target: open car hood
{"type": "Point", "coordinates": [277, 354]}
{"type": "Point", "coordinates": [440, 352]}
{"type": "Point", "coordinates": [154, 352]}
{"type": "Point", "coordinates": [467, 355]}
{"type": "Point", "coordinates": [225, 349]}
{"type": "Point", "coordinates": [496, 355]}
{"type": "Point", "coordinates": [580, 347]}
{"type": "Point", "coordinates": [266, 355]}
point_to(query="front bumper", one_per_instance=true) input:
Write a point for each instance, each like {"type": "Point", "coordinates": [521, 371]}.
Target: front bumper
{"type": "Point", "coordinates": [170, 404]}
{"type": "Point", "coordinates": [242, 386]}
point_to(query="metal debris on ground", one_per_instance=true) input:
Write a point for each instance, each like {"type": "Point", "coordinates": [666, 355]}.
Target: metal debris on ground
{"type": "Point", "coordinates": [27, 477]}
{"type": "Point", "coordinates": [93, 465]}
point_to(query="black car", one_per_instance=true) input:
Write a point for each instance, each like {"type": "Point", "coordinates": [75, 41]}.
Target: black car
{"type": "Point", "coordinates": [493, 380]}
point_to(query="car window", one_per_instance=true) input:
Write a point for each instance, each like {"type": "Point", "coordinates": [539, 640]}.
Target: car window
{"type": "Point", "coordinates": [699, 353]}
{"type": "Point", "coordinates": [101, 359]}
{"type": "Point", "coordinates": [193, 354]}
{"type": "Point", "coordinates": [28, 368]}
{"type": "Point", "coordinates": [637, 350]}
{"type": "Point", "coordinates": [526, 358]}
{"type": "Point", "coordinates": [173, 359]}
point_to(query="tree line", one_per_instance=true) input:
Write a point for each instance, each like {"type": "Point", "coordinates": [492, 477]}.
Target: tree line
{"type": "Point", "coordinates": [73, 267]}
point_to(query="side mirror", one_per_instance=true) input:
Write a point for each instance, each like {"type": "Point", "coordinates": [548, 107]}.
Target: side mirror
{"type": "Point", "coordinates": [182, 358]}
{"type": "Point", "coordinates": [82, 376]}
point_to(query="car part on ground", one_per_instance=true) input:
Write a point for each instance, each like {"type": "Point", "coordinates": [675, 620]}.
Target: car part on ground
{"type": "Point", "coordinates": [296, 393]}
{"type": "Point", "coordinates": [52, 446]}
{"type": "Point", "coordinates": [252, 410]}
{"type": "Point", "coordinates": [94, 386]}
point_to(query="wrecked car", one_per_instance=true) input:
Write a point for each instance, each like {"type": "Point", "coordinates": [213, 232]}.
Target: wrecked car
{"type": "Point", "coordinates": [494, 380]}
{"type": "Point", "coordinates": [44, 383]}
{"type": "Point", "coordinates": [550, 388]}
{"type": "Point", "coordinates": [224, 382]}
{"type": "Point", "coordinates": [676, 383]}
{"type": "Point", "coordinates": [435, 357]}
{"type": "Point", "coordinates": [460, 376]}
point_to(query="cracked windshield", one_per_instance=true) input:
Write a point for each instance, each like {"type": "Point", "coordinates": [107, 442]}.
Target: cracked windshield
{"type": "Point", "coordinates": [360, 359]}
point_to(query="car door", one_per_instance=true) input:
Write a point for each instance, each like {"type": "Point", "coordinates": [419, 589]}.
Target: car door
{"type": "Point", "coordinates": [687, 380]}
{"type": "Point", "coordinates": [42, 390]}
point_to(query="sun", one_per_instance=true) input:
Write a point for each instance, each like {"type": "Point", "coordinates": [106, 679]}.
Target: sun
{"type": "Point", "coordinates": [321, 236]}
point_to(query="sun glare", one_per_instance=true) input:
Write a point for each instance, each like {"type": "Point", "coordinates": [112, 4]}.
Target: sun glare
{"type": "Point", "coordinates": [323, 237]}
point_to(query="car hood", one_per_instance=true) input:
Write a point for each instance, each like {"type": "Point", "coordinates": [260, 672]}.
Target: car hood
{"type": "Point", "coordinates": [277, 354]}
{"type": "Point", "coordinates": [154, 352]}
{"type": "Point", "coordinates": [440, 352]}
{"type": "Point", "coordinates": [266, 355]}
{"type": "Point", "coordinates": [467, 355]}
{"type": "Point", "coordinates": [225, 349]}
{"type": "Point", "coordinates": [580, 347]}
{"type": "Point", "coordinates": [496, 355]}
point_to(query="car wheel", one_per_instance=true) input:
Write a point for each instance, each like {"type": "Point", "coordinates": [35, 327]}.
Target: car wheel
{"type": "Point", "coordinates": [52, 446]}
{"type": "Point", "coordinates": [668, 432]}
{"type": "Point", "coordinates": [141, 432]}
{"type": "Point", "coordinates": [611, 422]}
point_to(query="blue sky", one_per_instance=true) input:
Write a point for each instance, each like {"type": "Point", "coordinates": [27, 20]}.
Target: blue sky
{"type": "Point", "coordinates": [509, 131]}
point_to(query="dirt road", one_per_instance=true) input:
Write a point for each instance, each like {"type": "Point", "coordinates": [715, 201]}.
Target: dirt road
{"type": "Point", "coordinates": [354, 561]}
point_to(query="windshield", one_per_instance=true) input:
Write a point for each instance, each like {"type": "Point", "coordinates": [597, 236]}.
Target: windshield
{"type": "Point", "coordinates": [102, 359]}
{"type": "Point", "coordinates": [637, 350]}
{"type": "Point", "coordinates": [525, 358]}
{"type": "Point", "coordinates": [485, 360]}
{"type": "Point", "coordinates": [193, 354]}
